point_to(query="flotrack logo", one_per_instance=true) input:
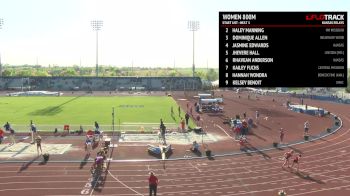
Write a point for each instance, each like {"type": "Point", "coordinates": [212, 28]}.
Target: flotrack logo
{"type": "Point", "coordinates": [325, 17]}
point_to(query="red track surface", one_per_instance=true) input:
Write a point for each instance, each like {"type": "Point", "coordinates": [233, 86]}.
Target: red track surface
{"type": "Point", "coordinates": [325, 170]}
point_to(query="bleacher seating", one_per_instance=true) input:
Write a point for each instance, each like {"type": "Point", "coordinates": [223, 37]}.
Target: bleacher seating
{"type": "Point", "coordinates": [101, 83]}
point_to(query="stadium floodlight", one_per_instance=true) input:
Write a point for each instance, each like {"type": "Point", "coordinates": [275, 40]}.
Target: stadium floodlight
{"type": "Point", "coordinates": [1, 23]}
{"type": "Point", "coordinates": [96, 26]}
{"type": "Point", "coordinates": [193, 26]}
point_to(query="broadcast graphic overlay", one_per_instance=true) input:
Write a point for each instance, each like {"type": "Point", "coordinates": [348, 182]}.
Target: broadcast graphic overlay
{"type": "Point", "coordinates": [283, 49]}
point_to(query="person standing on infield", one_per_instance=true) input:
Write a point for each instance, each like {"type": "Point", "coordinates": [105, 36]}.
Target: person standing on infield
{"type": "Point", "coordinates": [33, 130]}
{"type": "Point", "coordinates": [281, 135]}
{"type": "Point", "coordinates": [38, 144]}
{"type": "Point", "coordinates": [306, 128]}
{"type": "Point", "coordinates": [153, 183]}
{"type": "Point", "coordinates": [12, 136]}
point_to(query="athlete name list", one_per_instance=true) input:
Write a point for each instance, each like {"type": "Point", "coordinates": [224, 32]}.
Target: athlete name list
{"type": "Point", "coordinates": [282, 49]}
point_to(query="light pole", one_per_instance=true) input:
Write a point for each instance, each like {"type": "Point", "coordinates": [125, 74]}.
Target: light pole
{"type": "Point", "coordinates": [1, 23]}
{"type": "Point", "coordinates": [96, 26]}
{"type": "Point", "coordinates": [193, 26]}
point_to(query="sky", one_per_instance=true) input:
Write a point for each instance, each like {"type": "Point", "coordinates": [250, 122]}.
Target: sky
{"type": "Point", "coordinates": [143, 33]}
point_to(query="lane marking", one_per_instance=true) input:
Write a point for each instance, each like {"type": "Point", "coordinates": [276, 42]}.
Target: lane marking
{"type": "Point", "coordinates": [195, 167]}
{"type": "Point", "coordinates": [115, 178]}
{"type": "Point", "coordinates": [222, 129]}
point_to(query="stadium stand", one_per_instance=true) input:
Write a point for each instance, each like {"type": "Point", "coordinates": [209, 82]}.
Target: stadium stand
{"type": "Point", "coordinates": [101, 83]}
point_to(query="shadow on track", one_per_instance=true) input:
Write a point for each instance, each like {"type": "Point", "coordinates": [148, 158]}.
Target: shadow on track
{"type": "Point", "coordinates": [84, 161]}
{"type": "Point", "coordinates": [304, 176]}
{"type": "Point", "coordinates": [258, 136]}
{"type": "Point", "coordinates": [248, 148]}
{"type": "Point", "coordinates": [27, 164]}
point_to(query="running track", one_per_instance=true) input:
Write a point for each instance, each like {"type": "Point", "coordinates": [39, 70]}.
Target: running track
{"type": "Point", "coordinates": [325, 170]}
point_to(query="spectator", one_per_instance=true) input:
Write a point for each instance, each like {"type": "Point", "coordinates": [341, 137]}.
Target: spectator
{"type": "Point", "coordinates": [7, 126]}
{"type": "Point", "coordinates": [182, 124]}
{"type": "Point", "coordinates": [38, 144]}
{"type": "Point", "coordinates": [81, 130]}
{"type": "Point", "coordinates": [306, 127]}
{"type": "Point", "coordinates": [153, 183]}
{"type": "Point", "coordinates": [1, 135]}
{"type": "Point", "coordinates": [12, 137]}
{"type": "Point", "coordinates": [97, 127]}
{"type": "Point", "coordinates": [187, 117]}
{"type": "Point", "coordinates": [281, 135]}
{"type": "Point", "coordinates": [162, 131]}
{"type": "Point", "coordinates": [195, 146]}
{"type": "Point", "coordinates": [33, 131]}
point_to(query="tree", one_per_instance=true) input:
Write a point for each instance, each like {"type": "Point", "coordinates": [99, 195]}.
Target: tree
{"type": "Point", "coordinates": [200, 74]}
{"type": "Point", "coordinates": [212, 75]}
{"type": "Point", "coordinates": [6, 72]}
{"type": "Point", "coordinates": [348, 87]}
{"type": "Point", "coordinates": [24, 72]}
{"type": "Point", "coordinates": [41, 73]}
{"type": "Point", "coordinates": [70, 72]}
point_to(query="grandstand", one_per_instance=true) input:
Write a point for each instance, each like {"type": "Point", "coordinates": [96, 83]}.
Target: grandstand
{"type": "Point", "coordinates": [101, 83]}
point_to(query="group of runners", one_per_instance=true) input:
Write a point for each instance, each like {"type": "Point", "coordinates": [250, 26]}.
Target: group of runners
{"type": "Point", "coordinates": [288, 156]}
{"type": "Point", "coordinates": [99, 165]}
{"type": "Point", "coordinates": [92, 138]}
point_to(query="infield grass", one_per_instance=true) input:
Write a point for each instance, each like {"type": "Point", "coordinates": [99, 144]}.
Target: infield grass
{"type": "Point", "coordinates": [57, 111]}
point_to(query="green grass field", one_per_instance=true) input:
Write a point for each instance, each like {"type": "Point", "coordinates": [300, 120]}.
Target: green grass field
{"type": "Point", "coordinates": [57, 111]}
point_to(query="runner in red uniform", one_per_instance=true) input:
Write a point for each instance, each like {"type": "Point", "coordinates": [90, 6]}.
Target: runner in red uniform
{"type": "Point", "coordinates": [287, 156]}
{"type": "Point", "coordinates": [296, 161]}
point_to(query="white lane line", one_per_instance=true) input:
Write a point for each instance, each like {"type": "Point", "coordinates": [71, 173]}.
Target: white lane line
{"type": "Point", "coordinates": [222, 129]}
{"type": "Point", "coordinates": [115, 178]}
{"type": "Point", "coordinates": [194, 167]}
{"type": "Point", "coordinates": [93, 188]}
